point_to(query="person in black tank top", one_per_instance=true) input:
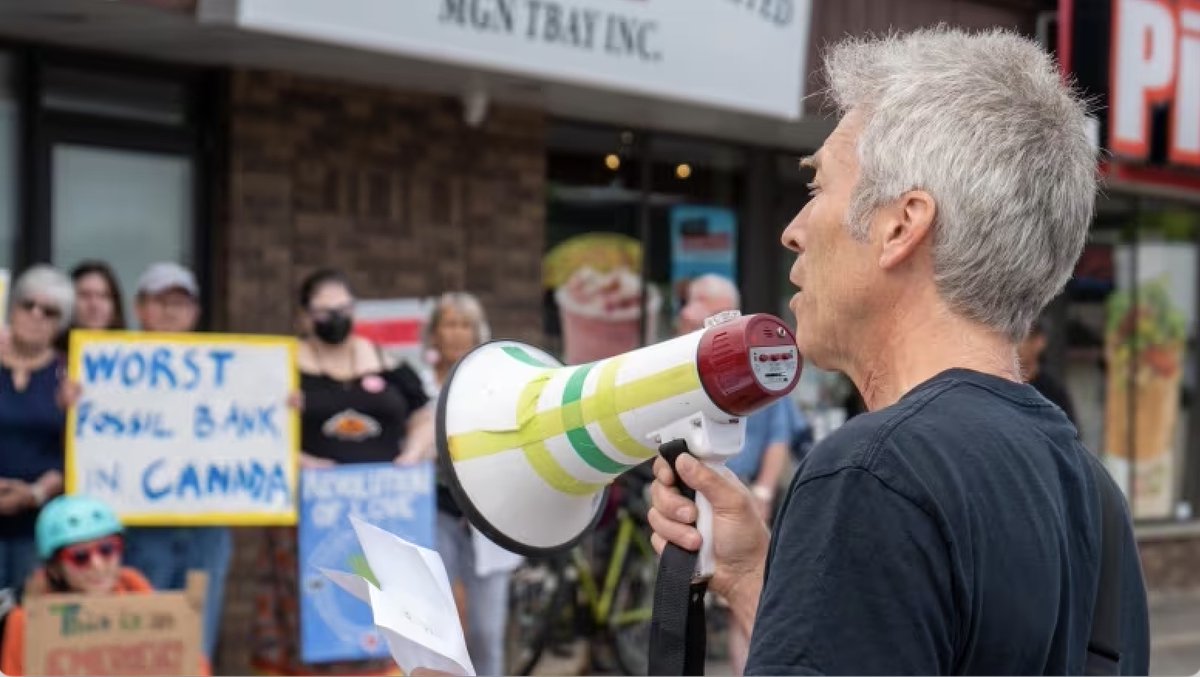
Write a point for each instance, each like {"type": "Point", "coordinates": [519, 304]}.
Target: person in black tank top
{"type": "Point", "coordinates": [358, 408]}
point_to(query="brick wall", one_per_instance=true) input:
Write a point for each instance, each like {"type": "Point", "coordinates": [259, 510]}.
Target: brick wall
{"type": "Point", "coordinates": [390, 187]}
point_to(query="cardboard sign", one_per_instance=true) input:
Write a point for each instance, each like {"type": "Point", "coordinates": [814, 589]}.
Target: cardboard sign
{"type": "Point", "coordinates": [334, 626]}
{"type": "Point", "coordinates": [185, 429]}
{"type": "Point", "coordinates": [134, 634]}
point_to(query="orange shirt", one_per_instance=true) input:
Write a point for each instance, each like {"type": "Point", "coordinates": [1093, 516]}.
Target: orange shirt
{"type": "Point", "coordinates": [12, 649]}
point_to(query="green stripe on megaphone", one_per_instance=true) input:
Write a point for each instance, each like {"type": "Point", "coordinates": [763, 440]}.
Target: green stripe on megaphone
{"type": "Point", "coordinates": [577, 434]}
{"type": "Point", "coordinates": [520, 355]}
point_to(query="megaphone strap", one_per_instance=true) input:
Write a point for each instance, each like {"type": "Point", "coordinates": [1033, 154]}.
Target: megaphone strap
{"type": "Point", "coordinates": [678, 639]}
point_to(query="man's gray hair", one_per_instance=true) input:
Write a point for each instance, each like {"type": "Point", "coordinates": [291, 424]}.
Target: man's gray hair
{"type": "Point", "coordinates": [720, 287]}
{"type": "Point", "coordinates": [465, 303]}
{"type": "Point", "coordinates": [986, 125]}
{"type": "Point", "coordinates": [47, 283]}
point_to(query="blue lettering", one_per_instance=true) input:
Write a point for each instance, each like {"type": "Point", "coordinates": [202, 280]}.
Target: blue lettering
{"type": "Point", "coordinates": [104, 480]}
{"type": "Point", "coordinates": [266, 420]}
{"type": "Point", "coordinates": [189, 361]}
{"type": "Point", "coordinates": [99, 366]}
{"type": "Point", "coordinates": [188, 479]}
{"type": "Point", "coordinates": [132, 376]}
{"type": "Point", "coordinates": [82, 412]}
{"type": "Point", "coordinates": [277, 482]}
{"type": "Point", "coordinates": [218, 479]}
{"type": "Point", "coordinates": [220, 358]}
{"type": "Point", "coordinates": [152, 493]}
{"type": "Point", "coordinates": [110, 421]}
{"type": "Point", "coordinates": [202, 422]}
{"type": "Point", "coordinates": [160, 365]}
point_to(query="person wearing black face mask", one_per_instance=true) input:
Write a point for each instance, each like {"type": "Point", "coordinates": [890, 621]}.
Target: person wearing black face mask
{"type": "Point", "coordinates": [358, 408]}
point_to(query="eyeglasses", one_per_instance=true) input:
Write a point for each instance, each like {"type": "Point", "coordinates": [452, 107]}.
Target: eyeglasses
{"type": "Point", "coordinates": [81, 556]}
{"type": "Point", "coordinates": [48, 311]}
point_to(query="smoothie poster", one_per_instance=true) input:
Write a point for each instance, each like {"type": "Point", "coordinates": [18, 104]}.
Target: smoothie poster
{"type": "Point", "coordinates": [596, 284]}
{"type": "Point", "coordinates": [1144, 346]}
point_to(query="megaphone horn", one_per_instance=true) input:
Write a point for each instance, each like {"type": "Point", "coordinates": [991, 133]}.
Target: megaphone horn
{"type": "Point", "coordinates": [528, 446]}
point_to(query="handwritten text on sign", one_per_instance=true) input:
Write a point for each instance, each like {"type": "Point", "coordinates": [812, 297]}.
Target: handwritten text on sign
{"type": "Point", "coordinates": [141, 634]}
{"type": "Point", "coordinates": [185, 428]}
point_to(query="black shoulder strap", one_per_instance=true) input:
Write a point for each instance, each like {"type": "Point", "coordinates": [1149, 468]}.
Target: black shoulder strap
{"type": "Point", "coordinates": [677, 629]}
{"type": "Point", "coordinates": [1104, 644]}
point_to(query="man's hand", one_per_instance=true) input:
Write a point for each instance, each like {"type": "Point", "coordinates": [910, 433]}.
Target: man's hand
{"type": "Point", "coordinates": [740, 538]}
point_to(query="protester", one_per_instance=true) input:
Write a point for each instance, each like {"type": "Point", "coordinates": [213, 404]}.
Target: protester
{"type": "Point", "coordinates": [80, 543]}
{"type": "Point", "coordinates": [956, 526]}
{"type": "Point", "coordinates": [764, 456]}
{"type": "Point", "coordinates": [168, 300]}
{"type": "Point", "coordinates": [31, 415]}
{"type": "Point", "coordinates": [98, 303]}
{"type": "Point", "coordinates": [1030, 353]}
{"type": "Point", "coordinates": [479, 569]}
{"type": "Point", "coordinates": [358, 408]}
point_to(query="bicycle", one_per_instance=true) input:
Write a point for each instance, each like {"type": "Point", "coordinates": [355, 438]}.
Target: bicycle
{"type": "Point", "coordinates": [554, 602]}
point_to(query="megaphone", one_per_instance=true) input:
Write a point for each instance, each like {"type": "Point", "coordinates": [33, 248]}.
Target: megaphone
{"type": "Point", "coordinates": [528, 446]}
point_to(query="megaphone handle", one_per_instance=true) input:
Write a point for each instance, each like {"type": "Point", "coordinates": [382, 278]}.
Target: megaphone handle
{"type": "Point", "coordinates": [705, 562]}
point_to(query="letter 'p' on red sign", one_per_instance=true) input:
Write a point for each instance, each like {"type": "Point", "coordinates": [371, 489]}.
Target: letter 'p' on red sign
{"type": "Point", "coordinates": [1156, 60]}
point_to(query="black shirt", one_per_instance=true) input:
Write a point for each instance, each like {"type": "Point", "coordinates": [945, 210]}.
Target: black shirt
{"type": "Point", "coordinates": [359, 421]}
{"type": "Point", "coordinates": [957, 531]}
{"type": "Point", "coordinates": [1054, 391]}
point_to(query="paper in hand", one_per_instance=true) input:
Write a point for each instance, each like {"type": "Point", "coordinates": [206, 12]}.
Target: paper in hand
{"type": "Point", "coordinates": [413, 606]}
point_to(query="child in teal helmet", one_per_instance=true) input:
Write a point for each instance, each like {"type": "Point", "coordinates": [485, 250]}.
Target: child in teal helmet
{"type": "Point", "coordinates": [79, 541]}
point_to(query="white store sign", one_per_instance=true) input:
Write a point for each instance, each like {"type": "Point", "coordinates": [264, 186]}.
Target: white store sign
{"type": "Point", "coordinates": [744, 55]}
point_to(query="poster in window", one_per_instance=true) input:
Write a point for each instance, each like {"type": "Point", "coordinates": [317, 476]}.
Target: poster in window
{"type": "Point", "coordinates": [703, 242]}
{"type": "Point", "coordinates": [597, 286]}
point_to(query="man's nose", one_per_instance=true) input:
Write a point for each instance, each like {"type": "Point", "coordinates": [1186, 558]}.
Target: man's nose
{"type": "Point", "coordinates": [793, 234]}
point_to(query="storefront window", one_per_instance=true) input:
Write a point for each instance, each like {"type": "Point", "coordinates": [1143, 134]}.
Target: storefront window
{"type": "Point", "coordinates": [8, 165]}
{"type": "Point", "coordinates": [616, 196]}
{"type": "Point", "coordinates": [1132, 347]}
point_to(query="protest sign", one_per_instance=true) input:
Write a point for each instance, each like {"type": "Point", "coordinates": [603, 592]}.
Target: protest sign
{"type": "Point", "coordinates": [3, 297]}
{"type": "Point", "coordinates": [333, 625]}
{"type": "Point", "coordinates": [395, 325]}
{"type": "Point", "coordinates": [185, 429]}
{"type": "Point", "coordinates": [133, 634]}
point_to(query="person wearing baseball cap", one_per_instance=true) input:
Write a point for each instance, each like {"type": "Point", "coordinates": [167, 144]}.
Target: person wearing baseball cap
{"type": "Point", "coordinates": [168, 300]}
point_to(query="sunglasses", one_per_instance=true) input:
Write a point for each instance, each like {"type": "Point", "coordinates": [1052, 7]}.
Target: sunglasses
{"type": "Point", "coordinates": [48, 311]}
{"type": "Point", "coordinates": [81, 556]}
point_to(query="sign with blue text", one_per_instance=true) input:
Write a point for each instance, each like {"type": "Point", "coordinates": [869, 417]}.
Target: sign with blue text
{"type": "Point", "coordinates": [334, 626]}
{"type": "Point", "coordinates": [185, 429]}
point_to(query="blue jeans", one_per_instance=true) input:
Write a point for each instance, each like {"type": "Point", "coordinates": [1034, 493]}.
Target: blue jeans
{"type": "Point", "coordinates": [165, 555]}
{"type": "Point", "coordinates": [487, 596]}
{"type": "Point", "coordinates": [18, 558]}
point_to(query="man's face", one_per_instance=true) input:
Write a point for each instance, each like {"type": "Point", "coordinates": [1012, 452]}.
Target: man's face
{"type": "Point", "coordinates": [173, 310]}
{"type": "Point", "coordinates": [701, 303]}
{"type": "Point", "coordinates": [834, 272]}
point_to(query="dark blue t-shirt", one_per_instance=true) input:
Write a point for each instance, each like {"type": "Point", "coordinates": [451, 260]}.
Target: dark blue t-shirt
{"type": "Point", "coordinates": [31, 434]}
{"type": "Point", "coordinates": [955, 532]}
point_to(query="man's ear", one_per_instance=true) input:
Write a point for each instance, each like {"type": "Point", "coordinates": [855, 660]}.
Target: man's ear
{"type": "Point", "coordinates": [909, 223]}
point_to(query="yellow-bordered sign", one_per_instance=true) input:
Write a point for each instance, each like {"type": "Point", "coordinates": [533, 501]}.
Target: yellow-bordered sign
{"type": "Point", "coordinates": [185, 429]}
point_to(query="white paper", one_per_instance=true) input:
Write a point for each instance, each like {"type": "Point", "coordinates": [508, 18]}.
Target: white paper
{"type": "Point", "coordinates": [413, 607]}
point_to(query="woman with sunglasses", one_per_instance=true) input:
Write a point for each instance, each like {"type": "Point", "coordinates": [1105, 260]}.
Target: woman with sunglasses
{"type": "Point", "coordinates": [31, 418]}
{"type": "Point", "coordinates": [80, 543]}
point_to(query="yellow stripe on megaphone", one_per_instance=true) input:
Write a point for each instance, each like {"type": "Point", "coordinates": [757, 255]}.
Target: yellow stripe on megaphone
{"type": "Point", "coordinates": [601, 408]}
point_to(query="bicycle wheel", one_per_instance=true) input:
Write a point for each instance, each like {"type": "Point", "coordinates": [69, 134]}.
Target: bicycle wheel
{"type": "Point", "coordinates": [633, 607]}
{"type": "Point", "coordinates": [536, 594]}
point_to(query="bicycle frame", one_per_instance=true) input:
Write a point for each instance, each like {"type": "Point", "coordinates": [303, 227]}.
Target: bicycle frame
{"type": "Point", "coordinates": [600, 601]}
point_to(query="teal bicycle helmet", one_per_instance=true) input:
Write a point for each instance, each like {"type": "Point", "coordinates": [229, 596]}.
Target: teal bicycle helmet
{"type": "Point", "coordinates": [68, 520]}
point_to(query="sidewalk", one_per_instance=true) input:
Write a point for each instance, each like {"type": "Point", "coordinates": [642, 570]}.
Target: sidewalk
{"type": "Point", "coordinates": [1174, 641]}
